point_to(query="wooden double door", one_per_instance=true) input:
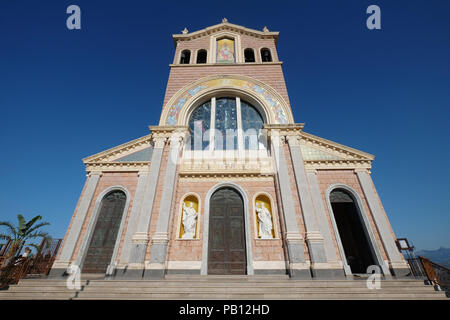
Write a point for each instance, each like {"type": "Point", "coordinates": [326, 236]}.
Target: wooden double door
{"type": "Point", "coordinates": [226, 240]}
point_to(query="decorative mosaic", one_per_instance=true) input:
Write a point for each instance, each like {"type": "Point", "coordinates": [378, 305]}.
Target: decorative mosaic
{"type": "Point", "coordinates": [225, 51]}
{"type": "Point", "coordinates": [280, 116]}
{"type": "Point", "coordinates": [310, 153]}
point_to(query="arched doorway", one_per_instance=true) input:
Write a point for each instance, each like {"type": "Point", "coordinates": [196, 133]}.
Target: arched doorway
{"type": "Point", "coordinates": [103, 240]}
{"type": "Point", "coordinates": [354, 238]}
{"type": "Point", "coordinates": [226, 240]}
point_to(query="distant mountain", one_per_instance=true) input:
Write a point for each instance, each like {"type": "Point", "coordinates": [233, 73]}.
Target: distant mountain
{"type": "Point", "coordinates": [440, 256]}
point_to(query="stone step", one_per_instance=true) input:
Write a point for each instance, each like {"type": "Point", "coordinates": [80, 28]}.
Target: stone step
{"type": "Point", "coordinates": [257, 296]}
{"type": "Point", "coordinates": [222, 296]}
{"type": "Point", "coordinates": [107, 284]}
{"type": "Point", "coordinates": [220, 287]}
{"type": "Point", "coordinates": [33, 296]}
{"type": "Point", "coordinates": [243, 296]}
{"type": "Point", "coordinates": [278, 289]}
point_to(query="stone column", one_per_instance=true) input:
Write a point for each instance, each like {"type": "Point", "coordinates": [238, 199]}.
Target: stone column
{"type": "Point", "coordinates": [294, 242]}
{"type": "Point", "coordinates": [333, 267]}
{"type": "Point", "coordinates": [59, 267]}
{"type": "Point", "coordinates": [156, 267]}
{"type": "Point", "coordinates": [396, 262]}
{"type": "Point", "coordinates": [140, 238]}
{"type": "Point", "coordinates": [314, 238]}
{"type": "Point", "coordinates": [132, 225]}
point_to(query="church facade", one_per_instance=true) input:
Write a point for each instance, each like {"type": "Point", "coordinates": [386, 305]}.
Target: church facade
{"type": "Point", "coordinates": [227, 183]}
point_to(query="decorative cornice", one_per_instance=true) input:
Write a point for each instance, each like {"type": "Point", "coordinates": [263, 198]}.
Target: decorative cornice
{"type": "Point", "coordinates": [224, 64]}
{"type": "Point", "coordinates": [337, 164]}
{"type": "Point", "coordinates": [225, 26]}
{"type": "Point", "coordinates": [167, 131]}
{"type": "Point", "coordinates": [292, 129]}
{"type": "Point", "coordinates": [221, 176]}
{"type": "Point", "coordinates": [143, 166]}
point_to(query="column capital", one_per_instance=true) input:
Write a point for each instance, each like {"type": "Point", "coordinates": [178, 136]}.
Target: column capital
{"type": "Point", "coordinates": [361, 170]}
{"type": "Point", "coordinates": [94, 173]}
{"type": "Point", "coordinates": [142, 172]}
{"type": "Point", "coordinates": [293, 140]}
{"type": "Point", "coordinates": [285, 129]}
{"type": "Point", "coordinates": [176, 138]}
{"type": "Point", "coordinates": [277, 140]}
{"type": "Point", "coordinates": [159, 141]}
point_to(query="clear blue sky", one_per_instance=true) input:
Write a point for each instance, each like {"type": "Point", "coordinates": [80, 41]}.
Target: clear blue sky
{"type": "Point", "coordinates": [65, 95]}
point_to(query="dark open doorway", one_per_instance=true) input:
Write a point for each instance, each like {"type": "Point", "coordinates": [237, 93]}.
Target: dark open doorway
{"type": "Point", "coordinates": [355, 243]}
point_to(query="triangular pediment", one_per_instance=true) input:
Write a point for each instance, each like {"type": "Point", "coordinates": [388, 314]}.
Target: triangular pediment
{"type": "Point", "coordinates": [225, 26]}
{"type": "Point", "coordinates": [138, 150]}
{"type": "Point", "coordinates": [319, 149]}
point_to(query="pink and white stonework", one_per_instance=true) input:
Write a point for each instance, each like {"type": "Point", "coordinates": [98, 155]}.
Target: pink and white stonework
{"type": "Point", "coordinates": [326, 219]}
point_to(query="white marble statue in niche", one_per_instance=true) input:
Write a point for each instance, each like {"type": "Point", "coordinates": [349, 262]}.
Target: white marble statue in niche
{"type": "Point", "coordinates": [189, 221]}
{"type": "Point", "coordinates": [265, 221]}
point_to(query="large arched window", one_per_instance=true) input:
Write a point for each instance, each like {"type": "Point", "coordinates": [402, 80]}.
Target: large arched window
{"type": "Point", "coordinates": [226, 123]}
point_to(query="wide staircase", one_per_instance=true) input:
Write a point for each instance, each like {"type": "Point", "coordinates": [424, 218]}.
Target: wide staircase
{"type": "Point", "coordinates": [175, 287]}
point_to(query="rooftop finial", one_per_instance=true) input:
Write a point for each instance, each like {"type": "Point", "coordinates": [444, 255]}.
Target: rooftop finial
{"type": "Point", "coordinates": [224, 20]}
{"type": "Point", "coordinates": [185, 31]}
{"type": "Point", "coordinates": [265, 29]}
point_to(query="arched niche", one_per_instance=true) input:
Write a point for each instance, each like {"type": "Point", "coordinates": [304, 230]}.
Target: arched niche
{"type": "Point", "coordinates": [263, 201]}
{"type": "Point", "coordinates": [189, 201]}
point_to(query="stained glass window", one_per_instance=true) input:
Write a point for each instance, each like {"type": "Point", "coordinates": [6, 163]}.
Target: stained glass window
{"type": "Point", "coordinates": [223, 115]}
{"type": "Point", "coordinates": [252, 124]}
{"type": "Point", "coordinates": [226, 124]}
{"type": "Point", "coordinates": [199, 124]}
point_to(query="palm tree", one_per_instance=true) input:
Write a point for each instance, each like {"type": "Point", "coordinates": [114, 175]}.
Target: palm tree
{"type": "Point", "coordinates": [22, 235]}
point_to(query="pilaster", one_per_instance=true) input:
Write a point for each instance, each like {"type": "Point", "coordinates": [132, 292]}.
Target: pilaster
{"type": "Point", "coordinates": [314, 238]}
{"type": "Point", "coordinates": [156, 267]}
{"type": "Point", "coordinates": [293, 238]}
{"type": "Point", "coordinates": [139, 240]}
{"type": "Point", "coordinates": [65, 259]}
{"type": "Point", "coordinates": [396, 262]}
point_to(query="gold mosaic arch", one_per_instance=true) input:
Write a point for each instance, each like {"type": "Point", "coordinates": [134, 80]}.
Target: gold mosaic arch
{"type": "Point", "coordinates": [177, 108]}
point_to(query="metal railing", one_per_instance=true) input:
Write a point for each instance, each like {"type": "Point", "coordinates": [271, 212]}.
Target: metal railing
{"type": "Point", "coordinates": [416, 268]}
{"type": "Point", "coordinates": [436, 274]}
{"type": "Point", "coordinates": [12, 271]}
